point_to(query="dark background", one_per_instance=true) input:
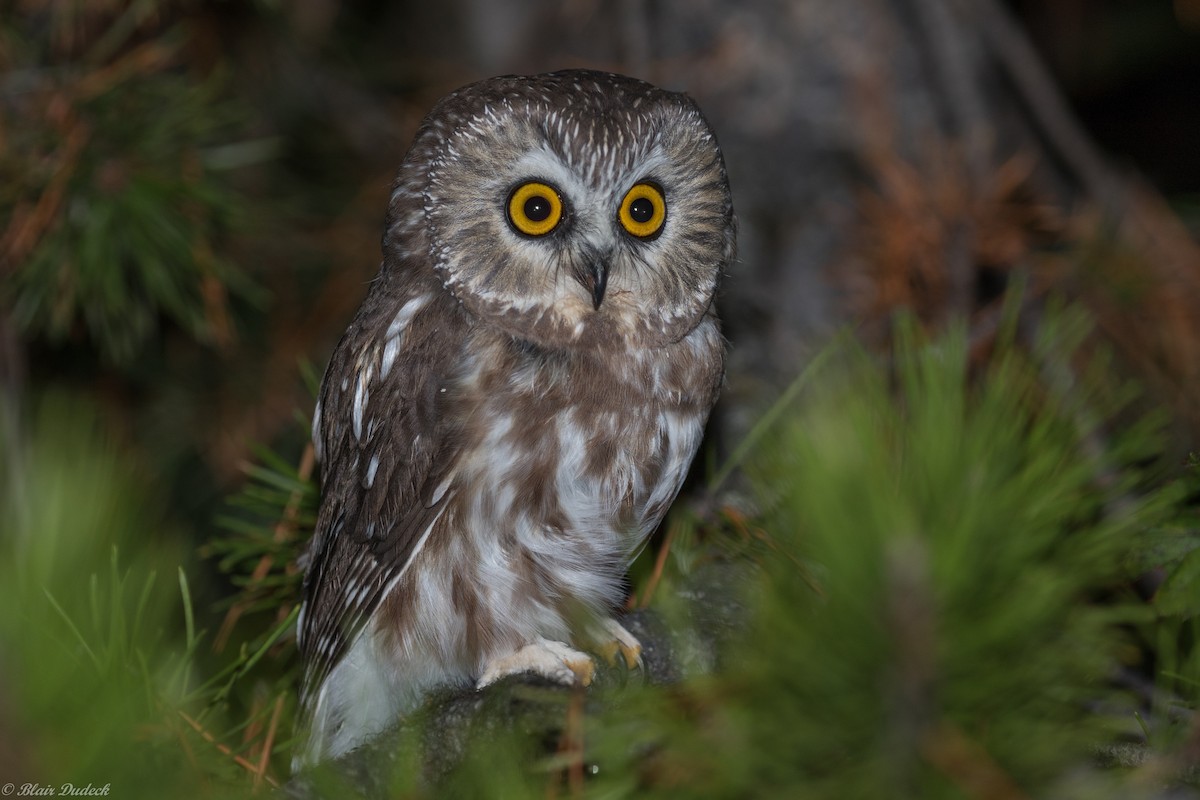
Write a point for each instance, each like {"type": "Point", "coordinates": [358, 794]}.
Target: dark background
{"type": "Point", "coordinates": [884, 154]}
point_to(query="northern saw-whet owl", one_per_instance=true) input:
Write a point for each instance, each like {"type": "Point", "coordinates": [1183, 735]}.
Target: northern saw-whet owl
{"type": "Point", "coordinates": [518, 399]}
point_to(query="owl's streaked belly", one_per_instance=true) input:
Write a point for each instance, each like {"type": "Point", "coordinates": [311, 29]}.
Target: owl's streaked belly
{"type": "Point", "coordinates": [566, 465]}
{"type": "Point", "coordinates": [548, 503]}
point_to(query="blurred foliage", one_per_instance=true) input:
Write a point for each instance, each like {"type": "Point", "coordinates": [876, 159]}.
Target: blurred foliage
{"type": "Point", "coordinates": [90, 646]}
{"type": "Point", "coordinates": [104, 674]}
{"type": "Point", "coordinates": [954, 643]}
{"type": "Point", "coordinates": [113, 185]}
{"type": "Point", "coordinates": [942, 605]}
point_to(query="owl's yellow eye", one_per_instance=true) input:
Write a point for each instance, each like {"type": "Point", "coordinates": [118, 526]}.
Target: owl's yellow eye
{"type": "Point", "coordinates": [534, 208]}
{"type": "Point", "coordinates": [644, 210]}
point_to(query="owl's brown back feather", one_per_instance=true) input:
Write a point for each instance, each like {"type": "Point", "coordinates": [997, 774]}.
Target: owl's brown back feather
{"type": "Point", "coordinates": [378, 470]}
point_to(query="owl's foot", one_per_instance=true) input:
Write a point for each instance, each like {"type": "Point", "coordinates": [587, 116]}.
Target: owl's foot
{"type": "Point", "coordinates": [611, 638]}
{"type": "Point", "coordinates": [552, 660]}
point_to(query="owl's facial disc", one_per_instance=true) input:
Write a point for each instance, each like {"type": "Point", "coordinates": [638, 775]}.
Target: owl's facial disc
{"type": "Point", "coordinates": [571, 219]}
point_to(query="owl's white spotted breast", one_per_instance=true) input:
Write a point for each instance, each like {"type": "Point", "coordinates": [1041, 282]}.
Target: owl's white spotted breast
{"type": "Point", "coordinates": [553, 492]}
{"type": "Point", "coordinates": [536, 520]}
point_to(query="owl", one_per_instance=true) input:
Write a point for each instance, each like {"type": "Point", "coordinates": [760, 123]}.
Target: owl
{"type": "Point", "coordinates": [517, 401]}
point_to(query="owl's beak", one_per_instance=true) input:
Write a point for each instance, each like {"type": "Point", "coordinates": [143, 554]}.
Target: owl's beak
{"type": "Point", "coordinates": [598, 278]}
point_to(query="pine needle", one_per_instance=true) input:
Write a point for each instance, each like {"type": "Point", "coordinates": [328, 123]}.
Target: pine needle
{"type": "Point", "coordinates": [660, 563]}
{"type": "Point", "coordinates": [225, 749]}
{"type": "Point", "coordinates": [284, 530]}
{"type": "Point", "coordinates": [264, 759]}
{"type": "Point", "coordinates": [770, 418]}
{"type": "Point", "coordinates": [968, 765]}
{"type": "Point", "coordinates": [79, 638]}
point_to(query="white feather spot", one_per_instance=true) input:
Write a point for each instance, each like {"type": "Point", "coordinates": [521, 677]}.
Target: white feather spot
{"type": "Point", "coordinates": [439, 492]}
{"type": "Point", "coordinates": [391, 349]}
{"type": "Point", "coordinates": [372, 467]}
{"type": "Point", "coordinates": [361, 396]}
{"type": "Point", "coordinates": [316, 431]}
{"type": "Point", "coordinates": [405, 314]}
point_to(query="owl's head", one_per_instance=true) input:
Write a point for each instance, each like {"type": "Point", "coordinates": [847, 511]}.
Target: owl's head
{"type": "Point", "coordinates": [569, 208]}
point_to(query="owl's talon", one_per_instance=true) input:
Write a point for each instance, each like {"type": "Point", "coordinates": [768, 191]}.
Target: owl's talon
{"type": "Point", "coordinates": [608, 651]}
{"type": "Point", "coordinates": [552, 660]}
{"type": "Point", "coordinates": [633, 655]}
{"type": "Point", "coordinates": [612, 638]}
{"type": "Point", "coordinates": [584, 669]}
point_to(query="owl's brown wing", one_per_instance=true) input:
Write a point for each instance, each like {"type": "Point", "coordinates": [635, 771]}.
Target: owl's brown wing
{"type": "Point", "coordinates": [384, 445]}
